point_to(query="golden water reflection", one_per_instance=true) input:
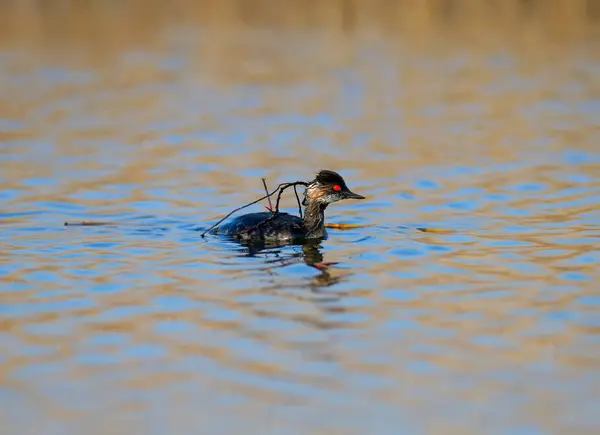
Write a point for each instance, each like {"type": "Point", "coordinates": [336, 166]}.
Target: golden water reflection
{"type": "Point", "coordinates": [475, 117]}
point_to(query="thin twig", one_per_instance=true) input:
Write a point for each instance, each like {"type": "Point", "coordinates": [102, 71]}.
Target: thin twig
{"type": "Point", "coordinates": [276, 212]}
{"type": "Point", "coordinates": [270, 207]}
{"type": "Point", "coordinates": [299, 203]}
{"type": "Point", "coordinates": [87, 224]}
{"type": "Point", "coordinates": [280, 188]}
{"type": "Point", "coordinates": [294, 184]}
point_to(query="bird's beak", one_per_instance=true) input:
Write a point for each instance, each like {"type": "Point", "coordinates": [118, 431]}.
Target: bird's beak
{"type": "Point", "coordinates": [351, 195]}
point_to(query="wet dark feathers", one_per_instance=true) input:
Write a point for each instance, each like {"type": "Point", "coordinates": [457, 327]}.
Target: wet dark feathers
{"type": "Point", "coordinates": [329, 178]}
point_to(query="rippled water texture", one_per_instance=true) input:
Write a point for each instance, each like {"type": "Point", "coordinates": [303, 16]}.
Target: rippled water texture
{"type": "Point", "coordinates": [482, 122]}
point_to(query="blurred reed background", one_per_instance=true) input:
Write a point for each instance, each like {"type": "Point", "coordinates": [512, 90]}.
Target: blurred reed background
{"type": "Point", "coordinates": [98, 31]}
{"type": "Point", "coordinates": [479, 116]}
{"type": "Point", "coordinates": [228, 44]}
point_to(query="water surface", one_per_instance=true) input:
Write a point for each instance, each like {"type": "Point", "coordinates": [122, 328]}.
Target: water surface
{"type": "Point", "coordinates": [165, 124]}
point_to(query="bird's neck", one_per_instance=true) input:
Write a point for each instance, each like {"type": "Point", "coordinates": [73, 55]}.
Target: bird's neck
{"type": "Point", "coordinates": [314, 219]}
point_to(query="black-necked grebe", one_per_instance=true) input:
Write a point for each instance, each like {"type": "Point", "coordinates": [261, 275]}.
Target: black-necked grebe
{"type": "Point", "coordinates": [327, 187]}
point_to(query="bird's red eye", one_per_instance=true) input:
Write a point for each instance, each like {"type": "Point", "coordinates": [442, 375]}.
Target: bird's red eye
{"type": "Point", "coordinates": [337, 188]}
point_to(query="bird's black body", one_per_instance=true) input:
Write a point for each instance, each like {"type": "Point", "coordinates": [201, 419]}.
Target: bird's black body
{"type": "Point", "coordinates": [282, 227]}
{"type": "Point", "coordinates": [326, 188]}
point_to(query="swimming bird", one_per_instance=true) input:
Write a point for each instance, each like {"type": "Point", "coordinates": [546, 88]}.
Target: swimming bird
{"type": "Point", "coordinates": [326, 188]}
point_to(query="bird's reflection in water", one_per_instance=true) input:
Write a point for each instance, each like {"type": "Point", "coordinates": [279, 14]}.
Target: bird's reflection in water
{"type": "Point", "coordinates": [319, 307]}
{"type": "Point", "coordinates": [277, 256]}
{"type": "Point", "coordinates": [321, 294]}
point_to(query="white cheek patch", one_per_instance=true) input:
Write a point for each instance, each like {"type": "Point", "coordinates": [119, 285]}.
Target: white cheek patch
{"type": "Point", "coordinates": [328, 199]}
